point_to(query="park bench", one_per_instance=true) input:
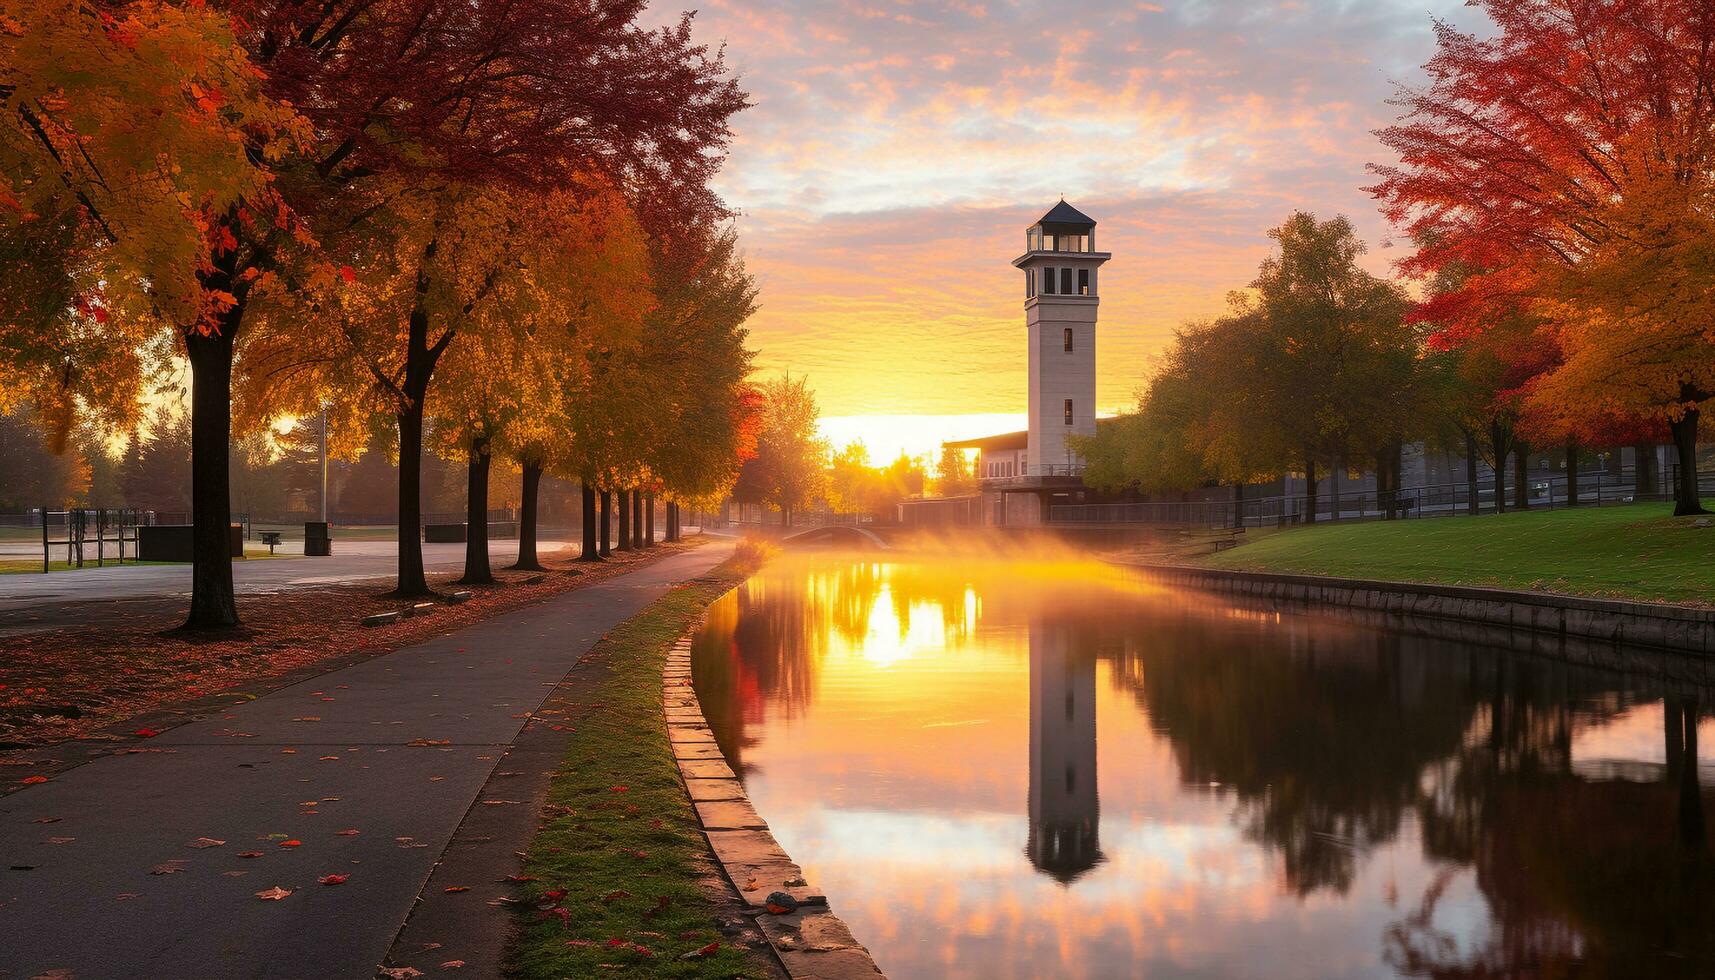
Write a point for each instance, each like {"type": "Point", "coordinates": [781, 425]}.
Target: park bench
{"type": "Point", "coordinates": [270, 538]}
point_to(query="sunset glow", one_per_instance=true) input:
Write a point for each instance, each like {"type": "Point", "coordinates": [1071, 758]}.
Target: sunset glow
{"type": "Point", "coordinates": [897, 151]}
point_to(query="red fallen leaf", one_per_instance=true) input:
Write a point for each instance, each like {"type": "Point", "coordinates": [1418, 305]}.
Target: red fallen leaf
{"type": "Point", "coordinates": [146, 732]}
{"type": "Point", "coordinates": [617, 942]}
{"type": "Point", "coordinates": [347, 273]}
{"type": "Point", "coordinates": [453, 965]}
{"type": "Point", "coordinates": [697, 954]}
{"type": "Point", "coordinates": [451, 889]}
{"type": "Point", "coordinates": [274, 894]}
{"type": "Point", "coordinates": [292, 843]}
{"type": "Point", "coordinates": [579, 942]}
{"type": "Point", "coordinates": [560, 912]}
{"type": "Point", "coordinates": [346, 833]}
{"type": "Point", "coordinates": [250, 854]}
{"type": "Point", "coordinates": [619, 789]}
{"type": "Point", "coordinates": [555, 895]}
{"type": "Point", "coordinates": [333, 879]}
{"type": "Point", "coordinates": [330, 758]}
{"type": "Point", "coordinates": [32, 780]}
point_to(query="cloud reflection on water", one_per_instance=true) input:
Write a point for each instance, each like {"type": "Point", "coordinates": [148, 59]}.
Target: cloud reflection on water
{"type": "Point", "coordinates": [1268, 794]}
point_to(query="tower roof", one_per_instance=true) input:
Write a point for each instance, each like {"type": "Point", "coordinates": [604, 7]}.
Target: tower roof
{"type": "Point", "coordinates": [1065, 214]}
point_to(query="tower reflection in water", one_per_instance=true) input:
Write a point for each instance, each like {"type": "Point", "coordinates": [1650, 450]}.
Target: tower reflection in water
{"type": "Point", "coordinates": [1065, 811]}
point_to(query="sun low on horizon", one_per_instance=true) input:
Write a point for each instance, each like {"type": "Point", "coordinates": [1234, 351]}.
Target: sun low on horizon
{"type": "Point", "coordinates": [897, 151]}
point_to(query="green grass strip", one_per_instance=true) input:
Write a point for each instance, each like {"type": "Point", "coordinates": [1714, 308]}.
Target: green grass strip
{"type": "Point", "coordinates": [622, 843]}
{"type": "Point", "coordinates": [1637, 551]}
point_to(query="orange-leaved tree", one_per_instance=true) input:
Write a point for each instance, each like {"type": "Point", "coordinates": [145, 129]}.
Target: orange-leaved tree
{"type": "Point", "coordinates": [1567, 159]}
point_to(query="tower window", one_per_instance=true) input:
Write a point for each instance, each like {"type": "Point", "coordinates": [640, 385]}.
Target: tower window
{"type": "Point", "coordinates": [1029, 284]}
{"type": "Point", "coordinates": [1066, 338]}
{"type": "Point", "coordinates": [1068, 411]}
{"type": "Point", "coordinates": [1048, 282]}
{"type": "Point", "coordinates": [1066, 281]}
{"type": "Point", "coordinates": [1083, 282]}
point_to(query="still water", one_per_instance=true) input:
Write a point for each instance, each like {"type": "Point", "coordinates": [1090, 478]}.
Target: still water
{"type": "Point", "coordinates": [1056, 769]}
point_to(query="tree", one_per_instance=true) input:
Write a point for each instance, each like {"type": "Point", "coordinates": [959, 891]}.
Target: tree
{"type": "Point", "coordinates": [789, 468]}
{"type": "Point", "coordinates": [1569, 158]}
{"type": "Point", "coordinates": [33, 476]}
{"type": "Point", "coordinates": [94, 100]}
{"type": "Point", "coordinates": [954, 475]}
{"type": "Point", "coordinates": [156, 470]}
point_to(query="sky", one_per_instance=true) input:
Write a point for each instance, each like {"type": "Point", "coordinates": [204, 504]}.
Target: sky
{"type": "Point", "coordinates": [898, 149]}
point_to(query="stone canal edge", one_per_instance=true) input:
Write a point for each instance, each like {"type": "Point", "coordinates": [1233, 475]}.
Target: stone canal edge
{"type": "Point", "coordinates": [811, 942]}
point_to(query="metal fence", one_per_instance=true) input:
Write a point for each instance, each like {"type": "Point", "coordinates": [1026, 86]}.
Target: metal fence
{"type": "Point", "coordinates": [1444, 500]}
{"type": "Point", "coordinates": [77, 529]}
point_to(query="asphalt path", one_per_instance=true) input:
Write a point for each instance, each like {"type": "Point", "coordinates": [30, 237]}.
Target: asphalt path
{"type": "Point", "coordinates": [351, 561]}
{"type": "Point", "coordinates": [139, 865]}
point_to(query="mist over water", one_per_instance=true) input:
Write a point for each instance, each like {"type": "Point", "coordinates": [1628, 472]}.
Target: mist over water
{"type": "Point", "coordinates": [1007, 767]}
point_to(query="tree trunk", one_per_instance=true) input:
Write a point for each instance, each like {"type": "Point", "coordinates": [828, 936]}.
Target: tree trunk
{"type": "Point", "coordinates": [624, 528]}
{"type": "Point", "coordinates": [606, 547]}
{"type": "Point", "coordinates": [1335, 465]}
{"type": "Point", "coordinates": [1685, 496]}
{"type": "Point", "coordinates": [527, 520]}
{"type": "Point", "coordinates": [412, 582]}
{"type": "Point", "coordinates": [420, 359]}
{"type": "Point", "coordinates": [213, 603]}
{"type": "Point", "coordinates": [1471, 505]}
{"type": "Point", "coordinates": [591, 548]}
{"type": "Point", "coordinates": [1309, 487]}
{"type": "Point", "coordinates": [1239, 503]}
{"type": "Point", "coordinates": [1521, 474]}
{"type": "Point", "coordinates": [1500, 440]}
{"type": "Point", "coordinates": [1643, 471]}
{"type": "Point", "coordinates": [649, 521]}
{"type": "Point", "coordinates": [476, 570]}
{"type": "Point", "coordinates": [637, 520]}
{"type": "Point", "coordinates": [1571, 474]}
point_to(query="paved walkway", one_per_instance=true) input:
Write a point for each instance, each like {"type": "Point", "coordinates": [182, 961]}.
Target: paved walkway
{"type": "Point", "coordinates": [351, 560]}
{"type": "Point", "coordinates": [101, 872]}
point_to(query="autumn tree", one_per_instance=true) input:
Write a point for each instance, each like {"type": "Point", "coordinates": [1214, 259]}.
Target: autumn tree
{"type": "Point", "coordinates": [135, 137]}
{"type": "Point", "coordinates": [1569, 157]}
{"type": "Point", "coordinates": [33, 476]}
{"type": "Point", "coordinates": [789, 468]}
{"type": "Point", "coordinates": [954, 474]}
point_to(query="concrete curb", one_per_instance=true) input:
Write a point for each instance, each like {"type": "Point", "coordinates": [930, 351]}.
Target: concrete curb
{"type": "Point", "coordinates": [812, 943]}
{"type": "Point", "coordinates": [1655, 626]}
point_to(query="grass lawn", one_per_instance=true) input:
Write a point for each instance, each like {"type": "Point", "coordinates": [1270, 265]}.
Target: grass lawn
{"type": "Point", "coordinates": [620, 862]}
{"type": "Point", "coordinates": [1629, 552]}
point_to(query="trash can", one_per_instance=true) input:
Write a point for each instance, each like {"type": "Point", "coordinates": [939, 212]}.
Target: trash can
{"type": "Point", "coordinates": [318, 542]}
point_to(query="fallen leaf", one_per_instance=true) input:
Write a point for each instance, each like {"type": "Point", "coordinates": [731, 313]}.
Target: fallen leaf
{"type": "Point", "coordinates": [172, 867]}
{"type": "Point", "coordinates": [400, 972]}
{"type": "Point", "coordinates": [330, 758]}
{"type": "Point", "coordinates": [347, 833]}
{"type": "Point", "coordinates": [46, 820]}
{"type": "Point", "coordinates": [126, 896]}
{"type": "Point", "coordinates": [697, 954]}
{"type": "Point", "coordinates": [233, 874]}
{"type": "Point", "coordinates": [453, 965]}
{"type": "Point", "coordinates": [521, 878]}
{"type": "Point", "coordinates": [274, 894]}
{"type": "Point", "coordinates": [33, 780]}
{"type": "Point", "coordinates": [146, 732]}
{"type": "Point", "coordinates": [429, 741]}
{"type": "Point", "coordinates": [457, 888]}
{"type": "Point", "coordinates": [61, 840]}
{"type": "Point", "coordinates": [292, 843]}
{"type": "Point", "coordinates": [250, 854]}
{"type": "Point", "coordinates": [205, 842]}
{"type": "Point", "coordinates": [333, 879]}
{"type": "Point", "coordinates": [615, 896]}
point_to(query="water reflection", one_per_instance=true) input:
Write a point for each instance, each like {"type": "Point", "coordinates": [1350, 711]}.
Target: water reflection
{"type": "Point", "coordinates": [1284, 795]}
{"type": "Point", "coordinates": [1064, 810]}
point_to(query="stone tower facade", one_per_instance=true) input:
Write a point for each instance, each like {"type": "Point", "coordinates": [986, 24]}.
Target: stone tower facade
{"type": "Point", "coordinates": [1060, 264]}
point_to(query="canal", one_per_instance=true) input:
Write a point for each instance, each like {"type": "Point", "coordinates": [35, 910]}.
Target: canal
{"type": "Point", "coordinates": [1057, 769]}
